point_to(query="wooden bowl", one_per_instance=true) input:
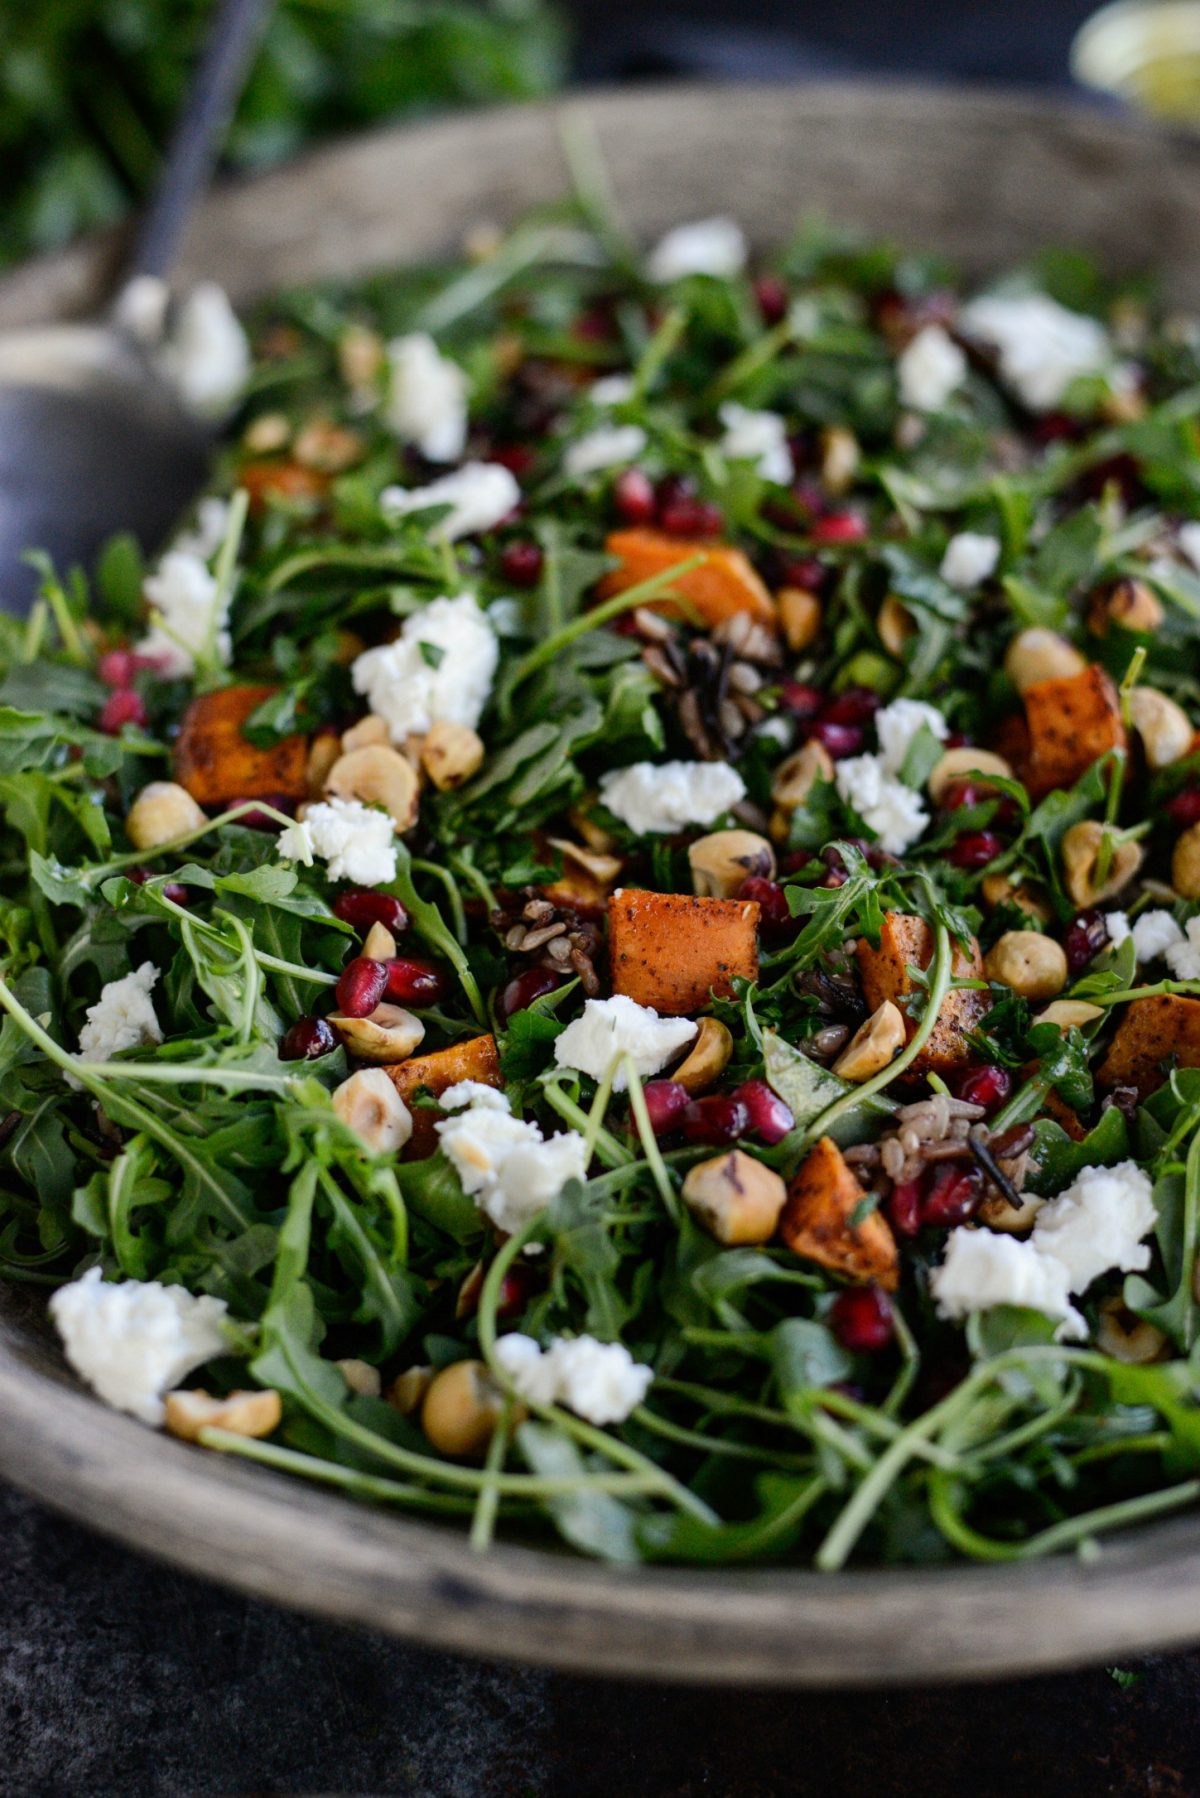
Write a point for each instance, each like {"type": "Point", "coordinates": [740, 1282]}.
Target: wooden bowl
{"type": "Point", "coordinates": [987, 180]}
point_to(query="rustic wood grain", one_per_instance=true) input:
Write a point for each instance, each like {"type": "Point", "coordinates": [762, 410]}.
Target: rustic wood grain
{"type": "Point", "coordinates": [987, 180]}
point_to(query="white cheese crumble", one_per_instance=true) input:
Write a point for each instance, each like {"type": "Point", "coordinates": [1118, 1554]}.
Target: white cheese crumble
{"type": "Point", "coordinates": [188, 615]}
{"type": "Point", "coordinates": [205, 534]}
{"type": "Point", "coordinates": [970, 558]}
{"type": "Point", "coordinates": [439, 670]}
{"type": "Point", "coordinates": [1041, 346]}
{"type": "Point", "coordinates": [758, 437]}
{"type": "Point", "coordinates": [473, 1092]}
{"type": "Point", "coordinates": [505, 1164]}
{"type": "Point", "coordinates": [930, 369]}
{"type": "Point", "coordinates": [356, 840]}
{"type": "Point", "coordinates": [479, 494]}
{"type": "Point", "coordinates": [133, 1340]}
{"type": "Point", "coordinates": [607, 447]}
{"type": "Point", "coordinates": [1183, 956]}
{"type": "Point", "coordinates": [712, 246]}
{"type": "Point", "coordinates": [427, 398]}
{"type": "Point", "coordinates": [207, 356]}
{"type": "Point", "coordinates": [616, 1027]}
{"type": "Point", "coordinates": [600, 1381]}
{"type": "Point", "coordinates": [898, 724]}
{"type": "Point", "coordinates": [892, 811]}
{"type": "Point", "coordinates": [123, 1017]}
{"type": "Point", "coordinates": [611, 390]}
{"type": "Point", "coordinates": [657, 798]}
{"type": "Point", "coordinates": [1154, 933]}
{"type": "Point", "coordinates": [1189, 543]}
{"type": "Point", "coordinates": [982, 1269]}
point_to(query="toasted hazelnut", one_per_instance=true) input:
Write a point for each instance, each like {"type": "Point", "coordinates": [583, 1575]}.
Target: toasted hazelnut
{"type": "Point", "coordinates": [840, 457]}
{"type": "Point", "coordinates": [368, 730]}
{"type": "Point", "coordinates": [186, 1413]}
{"type": "Point", "coordinates": [1185, 864]}
{"type": "Point", "coordinates": [707, 1058]}
{"type": "Point", "coordinates": [799, 617]}
{"type": "Point", "coordinates": [735, 1197]}
{"type": "Point", "coordinates": [461, 1409]}
{"type": "Point", "coordinates": [1127, 1337]}
{"type": "Point", "coordinates": [326, 446]}
{"type": "Point", "coordinates": [1010, 1220]}
{"type": "Point", "coordinates": [377, 775]}
{"type": "Point", "coordinates": [721, 861]}
{"type": "Point", "coordinates": [895, 624]}
{"type": "Point", "coordinates": [966, 764]}
{"type": "Point", "coordinates": [998, 890]}
{"type": "Point", "coordinates": [387, 1035]}
{"type": "Point", "coordinates": [1080, 859]}
{"type": "Point", "coordinates": [323, 752]}
{"type": "Point", "coordinates": [267, 434]}
{"type": "Point", "coordinates": [1033, 965]}
{"type": "Point", "coordinates": [1038, 654]}
{"type": "Point", "coordinates": [603, 869]}
{"type": "Point", "coordinates": [379, 944]}
{"type": "Point", "coordinates": [369, 1104]}
{"type": "Point", "coordinates": [161, 812]}
{"type": "Point", "coordinates": [1130, 603]}
{"type": "Point", "coordinates": [1163, 726]}
{"type": "Point", "coordinates": [593, 834]}
{"type": "Point", "coordinates": [466, 1302]}
{"type": "Point", "coordinates": [873, 1046]}
{"type": "Point", "coordinates": [362, 1379]}
{"type": "Point", "coordinates": [407, 1391]}
{"type": "Point", "coordinates": [450, 754]}
{"type": "Point", "coordinates": [360, 355]}
{"type": "Point", "coordinates": [795, 778]}
{"type": "Point", "coordinates": [1070, 1014]}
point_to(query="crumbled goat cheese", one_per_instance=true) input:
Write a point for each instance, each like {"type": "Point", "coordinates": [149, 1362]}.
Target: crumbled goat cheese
{"type": "Point", "coordinates": [899, 723]}
{"type": "Point", "coordinates": [930, 369]}
{"type": "Point", "coordinates": [207, 356]}
{"type": "Point", "coordinates": [188, 615]}
{"type": "Point", "coordinates": [890, 810]}
{"type": "Point", "coordinates": [427, 398]}
{"type": "Point", "coordinates": [982, 1268]}
{"type": "Point", "coordinates": [611, 390]}
{"type": "Point", "coordinates": [357, 841]}
{"type": "Point", "coordinates": [706, 247]}
{"type": "Point", "coordinates": [1183, 958]}
{"type": "Point", "coordinates": [1153, 933]}
{"type": "Point", "coordinates": [970, 558]}
{"type": "Point", "coordinates": [600, 1381]}
{"type": "Point", "coordinates": [1041, 346]}
{"type": "Point", "coordinates": [616, 1027]}
{"type": "Point", "coordinates": [479, 495]}
{"type": "Point", "coordinates": [1098, 1223]}
{"type": "Point", "coordinates": [204, 536]}
{"type": "Point", "coordinates": [473, 1092]}
{"type": "Point", "coordinates": [758, 437]}
{"type": "Point", "coordinates": [606, 447]}
{"type": "Point", "coordinates": [123, 1017]}
{"type": "Point", "coordinates": [1118, 927]}
{"type": "Point", "coordinates": [133, 1340]}
{"type": "Point", "coordinates": [1189, 543]}
{"type": "Point", "coordinates": [439, 669]}
{"type": "Point", "coordinates": [656, 798]}
{"type": "Point", "coordinates": [505, 1164]}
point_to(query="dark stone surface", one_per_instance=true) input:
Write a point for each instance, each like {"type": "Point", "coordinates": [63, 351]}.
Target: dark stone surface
{"type": "Point", "coordinates": [122, 1679]}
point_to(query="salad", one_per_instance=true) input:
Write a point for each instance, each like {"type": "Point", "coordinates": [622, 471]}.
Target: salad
{"type": "Point", "coordinates": [609, 941]}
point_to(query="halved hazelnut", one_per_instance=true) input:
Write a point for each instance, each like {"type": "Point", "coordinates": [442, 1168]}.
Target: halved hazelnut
{"type": "Point", "coordinates": [603, 869]}
{"type": "Point", "coordinates": [1164, 727]}
{"type": "Point", "coordinates": [795, 778]}
{"type": "Point", "coordinates": [1127, 1337]}
{"type": "Point", "coordinates": [1028, 963]}
{"type": "Point", "coordinates": [1185, 864]}
{"type": "Point", "coordinates": [895, 625]}
{"type": "Point", "coordinates": [407, 1391]}
{"type": "Point", "coordinates": [323, 752]}
{"type": "Point", "coordinates": [360, 354]}
{"type": "Point", "coordinates": [161, 812]}
{"type": "Point", "coordinates": [799, 617]}
{"type": "Point", "coordinates": [721, 861]}
{"type": "Point", "coordinates": [1130, 603]}
{"type": "Point", "coordinates": [369, 1104]}
{"type": "Point", "coordinates": [461, 1410]}
{"type": "Point", "coordinates": [377, 775]}
{"type": "Point", "coordinates": [998, 889]}
{"type": "Point", "coordinates": [1080, 859]}
{"type": "Point", "coordinates": [1010, 1220]}
{"type": "Point", "coordinates": [450, 754]}
{"type": "Point", "coordinates": [735, 1197]}
{"type": "Point", "coordinates": [362, 1379]}
{"type": "Point", "coordinates": [386, 1035]}
{"type": "Point", "coordinates": [1038, 654]}
{"type": "Point", "coordinates": [874, 1045]}
{"type": "Point", "coordinates": [966, 764]}
{"type": "Point", "coordinates": [840, 457]}
{"type": "Point", "coordinates": [707, 1058]}
{"type": "Point", "coordinates": [1070, 1014]}
{"type": "Point", "coordinates": [241, 1413]}
{"type": "Point", "coordinates": [368, 730]}
{"type": "Point", "coordinates": [379, 944]}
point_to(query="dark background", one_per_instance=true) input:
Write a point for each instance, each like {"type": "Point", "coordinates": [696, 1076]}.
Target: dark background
{"type": "Point", "coordinates": [118, 1676]}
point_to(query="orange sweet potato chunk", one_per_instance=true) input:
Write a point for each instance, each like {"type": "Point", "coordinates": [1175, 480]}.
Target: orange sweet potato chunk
{"type": "Point", "coordinates": [1165, 1028]}
{"type": "Point", "coordinates": [475, 1059]}
{"type": "Point", "coordinates": [725, 582]}
{"type": "Point", "coordinates": [1072, 722]}
{"type": "Point", "coordinates": [217, 765]}
{"type": "Point", "coordinates": [672, 951]}
{"type": "Point", "coordinates": [275, 479]}
{"type": "Point", "coordinates": [816, 1223]}
{"type": "Point", "coordinates": [904, 942]}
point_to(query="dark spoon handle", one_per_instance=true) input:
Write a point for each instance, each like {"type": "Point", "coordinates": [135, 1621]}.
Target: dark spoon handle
{"type": "Point", "coordinates": [196, 141]}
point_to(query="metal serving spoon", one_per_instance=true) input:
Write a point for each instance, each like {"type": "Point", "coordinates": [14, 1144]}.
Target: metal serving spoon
{"type": "Point", "coordinates": [92, 438]}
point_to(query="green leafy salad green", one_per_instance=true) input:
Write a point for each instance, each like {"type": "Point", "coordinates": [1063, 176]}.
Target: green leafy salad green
{"type": "Point", "coordinates": [609, 941]}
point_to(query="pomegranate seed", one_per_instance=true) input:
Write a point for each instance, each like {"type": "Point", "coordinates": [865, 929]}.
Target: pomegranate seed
{"type": "Point", "coordinates": [774, 912]}
{"type": "Point", "coordinates": [307, 1038]}
{"type": "Point", "coordinates": [1084, 940]}
{"type": "Point", "coordinates": [123, 706]}
{"type": "Point", "coordinates": [855, 706]}
{"type": "Point", "coordinates": [861, 1319]}
{"type": "Point", "coordinates": [986, 1086]}
{"type": "Point", "coordinates": [117, 667]}
{"type": "Point", "coordinates": [688, 516]}
{"type": "Point", "coordinates": [521, 563]}
{"type": "Point", "coordinates": [803, 571]}
{"type": "Point", "coordinates": [362, 907]}
{"type": "Point", "coordinates": [517, 1288]}
{"type": "Point", "coordinates": [800, 699]}
{"type": "Point", "coordinates": [975, 849]}
{"type": "Point", "coordinates": [1057, 427]}
{"type": "Point", "coordinates": [411, 982]}
{"type": "Point", "coordinates": [771, 298]}
{"type": "Point", "coordinates": [809, 495]}
{"type": "Point", "coordinates": [958, 739]}
{"type": "Point", "coordinates": [1184, 808]}
{"type": "Point", "coordinates": [720, 1118]}
{"type": "Point", "coordinates": [710, 520]}
{"type": "Point", "coordinates": [770, 1118]}
{"type": "Point", "coordinates": [256, 820]}
{"type": "Point", "coordinates": [361, 986]}
{"type": "Point", "coordinates": [665, 1100]}
{"type": "Point", "coordinates": [176, 893]}
{"type": "Point", "coordinates": [904, 1207]}
{"type": "Point", "coordinates": [524, 988]}
{"type": "Point", "coordinates": [594, 326]}
{"type": "Point", "coordinates": [839, 527]}
{"type": "Point", "coordinates": [633, 497]}
{"type": "Point", "coordinates": [959, 794]}
{"type": "Point", "coordinates": [838, 739]}
{"type": "Point", "coordinates": [952, 1197]}
{"type": "Point", "coordinates": [518, 458]}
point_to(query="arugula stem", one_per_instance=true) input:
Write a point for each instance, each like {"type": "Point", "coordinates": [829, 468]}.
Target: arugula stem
{"type": "Point", "coordinates": [650, 1148]}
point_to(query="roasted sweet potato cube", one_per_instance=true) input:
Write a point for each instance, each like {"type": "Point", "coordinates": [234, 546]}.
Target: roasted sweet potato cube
{"type": "Point", "coordinates": [1056, 1107]}
{"type": "Point", "coordinates": [217, 765]}
{"type": "Point", "coordinates": [725, 582]}
{"type": "Point", "coordinates": [475, 1059]}
{"type": "Point", "coordinates": [282, 480]}
{"type": "Point", "coordinates": [821, 1200]}
{"type": "Point", "coordinates": [904, 942]}
{"type": "Point", "coordinates": [1153, 1032]}
{"type": "Point", "coordinates": [672, 952]}
{"type": "Point", "coordinates": [1072, 722]}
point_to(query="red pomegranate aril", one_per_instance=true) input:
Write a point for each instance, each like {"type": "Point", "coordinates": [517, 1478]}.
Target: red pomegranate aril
{"type": "Point", "coordinates": [904, 1207]}
{"type": "Point", "coordinates": [951, 1198]}
{"type": "Point", "coordinates": [987, 1086]}
{"type": "Point", "coordinates": [361, 985]}
{"type": "Point", "coordinates": [521, 563]}
{"type": "Point", "coordinates": [176, 892]}
{"type": "Point", "coordinates": [839, 527]}
{"type": "Point", "coordinates": [666, 1101]}
{"type": "Point", "coordinates": [307, 1038]}
{"type": "Point", "coordinates": [633, 497]}
{"type": "Point", "coordinates": [524, 988]}
{"type": "Point", "coordinates": [1184, 808]}
{"type": "Point", "coordinates": [117, 667]}
{"type": "Point", "coordinates": [123, 706]}
{"type": "Point", "coordinates": [771, 298]}
{"type": "Point", "coordinates": [774, 911]}
{"type": "Point", "coordinates": [517, 1288]}
{"type": "Point", "coordinates": [362, 907]}
{"type": "Point", "coordinates": [803, 701]}
{"type": "Point", "coordinates": [770, 1119]}
{"type": "Point", "coordinates": [839, 739]}
{"type": "Point", "coordinates": [975, 849]}
{"type": "Point", "coordinates": [518, 458]}
{"type": "Point", "coordinates": [803, 571]}
{"type": "Point", "coordinates": [855, 706]}
{"type": "Point", "coordinates": [410, 982]}
{"type": "Point", "coordinates": [1084, 940]}
{"type": "Point", "coordinates": [720, 1118]}
{"type": "Point", "coordinates": [687, 516]}
{"type": "Point", "coordinates": [861, 1319]}
{"type": "Point", "coordinates": [959, 794]}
